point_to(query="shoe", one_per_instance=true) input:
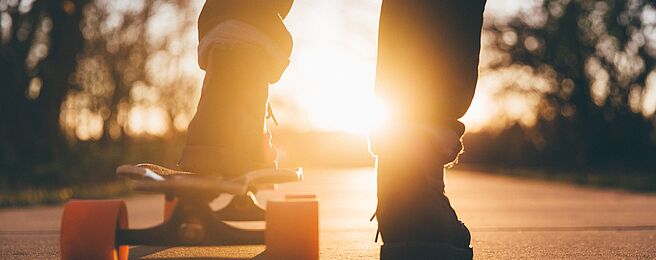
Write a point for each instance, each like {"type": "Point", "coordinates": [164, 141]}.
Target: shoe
{"type": "Point", "coordinates": [415, 218]}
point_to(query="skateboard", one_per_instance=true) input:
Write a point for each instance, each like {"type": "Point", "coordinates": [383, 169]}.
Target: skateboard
{"type": "Point", "coordinates": [98, 229]}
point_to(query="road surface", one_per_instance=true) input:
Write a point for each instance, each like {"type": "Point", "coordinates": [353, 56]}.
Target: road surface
{"type": "Point", "coordinates": [510, 218]}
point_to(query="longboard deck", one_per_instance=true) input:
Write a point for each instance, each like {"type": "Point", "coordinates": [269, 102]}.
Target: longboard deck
{"type": "Point", "coordinates": [155, 178]}
{"type": "Point", "coordinates": [163, 171]}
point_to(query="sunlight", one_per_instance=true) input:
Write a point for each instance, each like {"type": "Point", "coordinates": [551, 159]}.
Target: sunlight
{"type": "Point", "coordinates": [355, 114]}
{"type": "Point", "coordinates": [332, 70]}
{"type": "Point", "coordinates": [152, 120]}
{"type": "Point", "coordinates": [328, 86]}
{"type": "Point", "coordinates": [344, 102]}
{"type": "Point", "coordinates": [331, 76]}
{"type": "Point", "coordinates": [481, 113]}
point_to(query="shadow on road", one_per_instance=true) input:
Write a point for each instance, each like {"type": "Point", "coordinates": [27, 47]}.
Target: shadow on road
{"type": "Point", "coordinates": [138, 252]}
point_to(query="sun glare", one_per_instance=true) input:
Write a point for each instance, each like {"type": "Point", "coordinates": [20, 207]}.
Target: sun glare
{"type": "Point", "coordinates": [332, 70]}
{"type": "Point", "coordinates": [355, 113]}
{"type": "Point", "coordinates": [150, 120]}
{"type": "Point", "coordinates": [342, 99]}
{"type": "Point", "coordinates": [328, 86]}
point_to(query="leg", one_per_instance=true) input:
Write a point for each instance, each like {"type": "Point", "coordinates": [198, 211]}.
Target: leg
{"type": "Point", "coordinates": [427, 72]}
{"type": "Point", "coordinates": [227, 135]}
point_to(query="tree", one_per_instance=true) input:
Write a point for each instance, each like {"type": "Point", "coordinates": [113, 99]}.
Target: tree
{"type": "Point", "coordinates": [39, 42]}
{"type": "Point", "coordinates": [72, 70]}
{"type": "Point", "coordinates": [134, 58]}
{"type": "Point", "coordinates": [597, 58]}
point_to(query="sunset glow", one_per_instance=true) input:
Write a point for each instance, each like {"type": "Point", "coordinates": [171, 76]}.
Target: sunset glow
{"type": "Point", "coordinates": [328, 86]}
{"type": "Point", "coordinates": [333, 67]}
{"type": "Point", "coordinates": [332, 71]}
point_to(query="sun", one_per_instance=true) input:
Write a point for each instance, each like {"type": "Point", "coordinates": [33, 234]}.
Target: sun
{"type": "Point", "coordinates": [332, 68]}
{"type": "Point", "coordinates": [332, 71]}
{"type": "Point", "coordinates": [335, 90]}
{"type": "Point", "coordinates": [354, 113]}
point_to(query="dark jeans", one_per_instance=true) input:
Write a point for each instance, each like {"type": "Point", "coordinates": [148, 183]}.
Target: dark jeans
{"type": "Point", "coordinates": [427, 72]}
{"type": "Point", "coordinates": [428, 60]}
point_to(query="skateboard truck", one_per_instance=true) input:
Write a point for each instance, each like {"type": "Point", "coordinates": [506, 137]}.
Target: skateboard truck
{"type": "Point", "coordinates": [191, 224]}
{"type": "Point", "coordinates": [242, 208]}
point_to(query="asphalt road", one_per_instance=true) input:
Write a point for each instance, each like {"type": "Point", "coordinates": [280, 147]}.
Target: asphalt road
{"type": "Point", "coordinates": [509, 218]}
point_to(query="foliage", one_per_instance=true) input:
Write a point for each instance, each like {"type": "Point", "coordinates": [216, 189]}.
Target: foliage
{"type": "Point", "coordinates": [78, 71]}
{"type": "Point", "coordinates": [38, 39]}
{"type": "Point", "coordinates": [132, 67]}
{"type": "Point", "coordinates": [596, 59]}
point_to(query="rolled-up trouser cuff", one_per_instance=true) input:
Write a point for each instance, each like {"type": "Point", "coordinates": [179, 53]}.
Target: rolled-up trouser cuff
{"type": "Point", "coordinates": [433, 144]}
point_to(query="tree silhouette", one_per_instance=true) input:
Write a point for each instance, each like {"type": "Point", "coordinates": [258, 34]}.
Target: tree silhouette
{"type": "Point", "coordinates": [39, 42]}
{"type": "Point", "coordinates": [69, 70]}
{"type": "Point", "coordinates": [597, 58]}
{"type": "Point", "coordinates": [131, 60]}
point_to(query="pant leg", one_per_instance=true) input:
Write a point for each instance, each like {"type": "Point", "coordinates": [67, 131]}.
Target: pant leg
{"type": "Point", "coordinates": [428, 61]}
{"type": "Point", "coordinates": [227, 135]}
{"type": "Point", "coordinates": [426, 73]}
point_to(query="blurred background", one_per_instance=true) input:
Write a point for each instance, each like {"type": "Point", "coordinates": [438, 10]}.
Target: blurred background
{"type": "Point", "coordinates": [567, 91]}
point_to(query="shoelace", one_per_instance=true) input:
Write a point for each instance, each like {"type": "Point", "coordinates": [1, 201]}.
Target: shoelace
{"type": "Point", "coordinates": [377, 228]}
{"type": "Point", "coordinates": [270, 115]}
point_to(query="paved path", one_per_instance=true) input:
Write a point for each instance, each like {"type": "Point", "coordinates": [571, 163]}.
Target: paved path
{"type": "Point", "coordinates": [510, 218]}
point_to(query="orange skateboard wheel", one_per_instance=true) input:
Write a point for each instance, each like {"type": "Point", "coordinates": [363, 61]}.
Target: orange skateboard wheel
{"type": "Point", "coordinates": [292, 228]}
{"type": "Point", "coordinates": [88, 230]}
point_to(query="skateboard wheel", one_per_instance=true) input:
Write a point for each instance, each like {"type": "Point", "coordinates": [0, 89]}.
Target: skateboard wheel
{"type": "Point", "coordinates": [88, 230]}
{"type": "Point", "coordinates": [292, 228]}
